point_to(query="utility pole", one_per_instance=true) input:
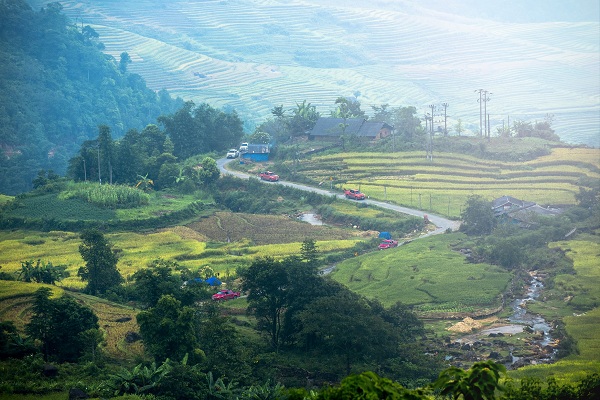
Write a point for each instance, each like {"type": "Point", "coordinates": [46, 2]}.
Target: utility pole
{"type": "Point", "coordinates": [486, 98]}
{"type": "Point", "coordinates": [432, 106]}
{"type": "Point", "coordinates": [445, 105]}
{"type": "Point", "coordinates": [427, 141]}
{"type": "Point", "coordinates": [99, 175]}
{"type": "Point", "coordinates": [480, 111]}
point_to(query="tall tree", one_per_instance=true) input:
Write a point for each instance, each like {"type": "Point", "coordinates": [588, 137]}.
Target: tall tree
{"type": "Point", "coordinates": [124, 61]}
{"type": "Point", "coordinates": [61, 325]}
{"type": "Point", "coordinates": [266, 282]}
{"type": "Point", "coordinates": [100, 269]}
{"type": "Point", "coordinates": [346, 327]}
{"type": "Point", "coordinates": [347, 107]}
{"type": "Point", "coordinates": [105, 154]}
{"type": "Point", "coordinates": [170, 330]}
{"type": "Point", "coordinates": [277, 291]}
{"type": "Point", "coordinates": [309, 251]}
{"type": "Point", "coordinates": [478, 216]}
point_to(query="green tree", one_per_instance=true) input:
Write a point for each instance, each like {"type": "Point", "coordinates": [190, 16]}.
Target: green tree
{"type": "Point", "coordinates": [150, 284]}
{"type": "Point", "coordinates": [224, 347]}
{"type": "Point", "coordinates": [124, 61]}
{"type": "Point", "coordinates": [12, 345]}
{"type": "Point", "coordinates": [347, 107]}
{"type": "Point", "coordinates": [588, 198]}
{"type": "Point", "coordinates": [60, 325]}
{"type": "Point", "coordinates": [345, 326]}
{"type": "Point", "coordinates": [304, 117]}
{"type": "Point", "coordinates": [259, 137]}
{"type": "Point", "coordinates": [100, 270]}
{"type": "Point", "coordinates": [266, 281]}
{"type": "Point", "coordinates": [209, 171]}
{"type": "Point", "coordinates": [105, 154]}
{"type": "Point", "coordinates": [170, 330]}
{"type": "Point", "coordinates": [480, 382]}
{"type": "Point", "coordinates": [309, 252]}
{"type": "Point", "coordinates": [478, 216]}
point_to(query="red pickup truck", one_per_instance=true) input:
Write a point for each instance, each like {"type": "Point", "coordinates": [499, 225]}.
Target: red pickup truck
{"type": "Point", "coordinates": [354, 194]}
{"type": "Point", "coordinates": [269, 176]}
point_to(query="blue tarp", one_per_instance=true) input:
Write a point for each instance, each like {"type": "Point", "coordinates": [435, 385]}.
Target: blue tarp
{"type": "Point", "coordinates": [212, 281]}
{"type": "Point", "coordinates": [385, 235]}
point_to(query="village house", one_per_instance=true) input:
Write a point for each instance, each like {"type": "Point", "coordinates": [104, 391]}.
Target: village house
{"type": "Point", "coordinates": [523, 213]}
{"type": "Point", "coordinates": [328, 128]}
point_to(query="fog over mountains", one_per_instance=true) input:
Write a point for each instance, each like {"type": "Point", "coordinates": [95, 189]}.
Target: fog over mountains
{"type": "Point", "coordinates": [535, 57]}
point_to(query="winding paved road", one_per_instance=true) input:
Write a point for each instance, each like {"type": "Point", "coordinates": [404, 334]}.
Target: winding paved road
{"type": "Point", "coordinates": [441, 223]}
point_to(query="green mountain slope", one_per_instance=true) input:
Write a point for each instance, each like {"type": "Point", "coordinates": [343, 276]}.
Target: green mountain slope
{"type": "Point", "coordinates": [56, 87]}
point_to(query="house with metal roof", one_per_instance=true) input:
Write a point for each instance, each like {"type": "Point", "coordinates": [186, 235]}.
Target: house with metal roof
{"type": "Point", "coordinates": [329, 128]}
{"type": "Point", "coordinates": [520, 212]}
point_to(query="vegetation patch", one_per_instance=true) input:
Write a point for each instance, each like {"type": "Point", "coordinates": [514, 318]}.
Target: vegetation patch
{"type": "Point", "coordinates": [106, 196]}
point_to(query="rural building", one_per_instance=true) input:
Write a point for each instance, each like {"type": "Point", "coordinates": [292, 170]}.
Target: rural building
{"type": "Point", "coordinates": [256, 152]}
{"type": "Point", "coordinates": [507, 204]}
{"type": "Point", "coordinates": [520, 212]}
{"type": "Point", "coordinates": [328, 128]}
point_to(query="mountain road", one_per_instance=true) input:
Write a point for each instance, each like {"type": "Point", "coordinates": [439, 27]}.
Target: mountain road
{"type": "Point", "coordinates": [442, 224]}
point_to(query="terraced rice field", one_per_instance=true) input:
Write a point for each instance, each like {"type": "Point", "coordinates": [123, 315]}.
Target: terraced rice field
{"type": "Point", "coordinates": [443, 186]}
{"type": "Point", "coordinates": [251, 55]}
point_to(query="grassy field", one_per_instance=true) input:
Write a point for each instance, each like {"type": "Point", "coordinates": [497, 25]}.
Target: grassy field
{"type": "Point", "coordinates": [427, 274]}
{"type": "Point", "coordinates": [443, 185]}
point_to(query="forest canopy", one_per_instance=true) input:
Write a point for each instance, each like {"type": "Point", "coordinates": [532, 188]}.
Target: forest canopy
{"type": "Point", "coordinates": [56, 88]}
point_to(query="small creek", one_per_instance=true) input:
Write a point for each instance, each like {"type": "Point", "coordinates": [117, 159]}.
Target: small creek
{"type": "Point", "coordinates": [522, 317]}
{"type": "Point", "coordinates": [519, 321]}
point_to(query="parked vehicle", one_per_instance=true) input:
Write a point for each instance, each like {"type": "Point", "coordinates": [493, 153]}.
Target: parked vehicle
{"type": "Point", "coordinates": [233, 153]}
{"type": "Point", "coordinates": [388, 243]}
{"type": "Point", "coordinates": [269, 176]}
{"type": "Point", "coordinates": [225, 294]}
{"type": "Point", "coordinates": [354, 194]}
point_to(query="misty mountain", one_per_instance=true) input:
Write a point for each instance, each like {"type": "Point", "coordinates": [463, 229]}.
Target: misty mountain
{"type": "Point", "coordinates": [535, 57]}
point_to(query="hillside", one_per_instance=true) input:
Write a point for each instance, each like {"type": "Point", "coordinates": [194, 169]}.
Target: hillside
{"type": "Point", "coordinates": [253, 55]}
{"type": "Point", "coordinates": [56, 90]}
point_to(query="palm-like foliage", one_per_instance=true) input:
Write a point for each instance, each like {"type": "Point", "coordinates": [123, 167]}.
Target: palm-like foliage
{"type": "Point", "coordinates": [138, 380]}
{"type": "Point", "coordinates": [144, 183]}
{"type": "Point", "coordinates": [478, 383]}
